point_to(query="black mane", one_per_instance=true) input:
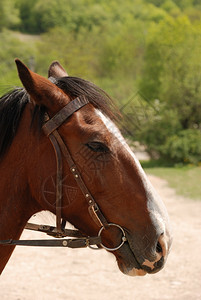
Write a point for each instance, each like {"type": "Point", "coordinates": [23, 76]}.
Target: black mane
{"type": "Point", "coordinates": [13, 103]}
{"type": "Point", "coordinates": [11, 108]}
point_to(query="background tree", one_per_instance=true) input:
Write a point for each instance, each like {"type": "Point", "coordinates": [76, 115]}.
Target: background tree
{"type": "Point", "coordinates": [172, 74]}
{"type": "Point", "coordinates": [9, 14]}
{"type": "Point", "coordinates": [145, 53]}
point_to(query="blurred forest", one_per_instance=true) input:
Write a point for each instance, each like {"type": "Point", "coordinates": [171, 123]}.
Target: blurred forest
{"type": "Point", "coordinates": [145, 53]}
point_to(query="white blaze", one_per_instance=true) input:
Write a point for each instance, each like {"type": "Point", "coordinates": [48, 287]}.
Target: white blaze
{"type": "Point", "coordinates": [152, 196]}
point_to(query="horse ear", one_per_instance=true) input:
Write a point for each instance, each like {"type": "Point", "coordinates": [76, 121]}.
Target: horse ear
{"type": "Point", "coordinates": [56, 70]}
{"type": "Point", "coordinates": [41, 90]}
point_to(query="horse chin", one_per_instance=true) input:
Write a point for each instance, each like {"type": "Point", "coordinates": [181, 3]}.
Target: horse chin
{"type": "Point", "coordinates": [130, 271]}
{"type": "Point", "coordinates": [128, 263]}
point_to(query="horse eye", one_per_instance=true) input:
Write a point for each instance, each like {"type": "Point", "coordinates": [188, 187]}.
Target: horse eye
{"type": "Point", "coordinates": [98, 147]}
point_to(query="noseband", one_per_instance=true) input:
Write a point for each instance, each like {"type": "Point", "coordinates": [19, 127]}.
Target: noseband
{"type": "Point", "coordinates": [79, 240]}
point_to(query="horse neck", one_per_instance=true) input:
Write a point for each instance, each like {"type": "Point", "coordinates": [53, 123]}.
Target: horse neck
{"type": "Point", "coordinates": [16, 204]}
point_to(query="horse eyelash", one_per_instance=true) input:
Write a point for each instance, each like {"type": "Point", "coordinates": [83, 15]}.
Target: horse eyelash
{"type": "Point", "coordinates": [98, 147]}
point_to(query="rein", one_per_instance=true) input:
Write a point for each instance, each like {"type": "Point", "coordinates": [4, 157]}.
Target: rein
{"type": "Point", "coordinates": [79, 239]}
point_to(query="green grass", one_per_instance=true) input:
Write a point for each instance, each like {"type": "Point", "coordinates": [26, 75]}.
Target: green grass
{"type": "Point", "coordinates": [185, 180]}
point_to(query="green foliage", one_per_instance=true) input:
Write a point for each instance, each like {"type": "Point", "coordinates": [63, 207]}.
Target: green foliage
{"type": "Point", "coordinates": [123, 46]}
{"type": "Point", "coordinates": [26, 15]}
{"type": "Point", "coordinates": [11, 49]}
{"type": "Point", "coordinates": [185, 146]}
{"type": "Point", "coordinates": [155, 130]}
{"type": "Point", "coordinates": [171, 7]}
{"type": "Point", "coordinates": [40, 16]}
{"type": "Point", "coordinates": [172, 74]}
{"type": "Point", "coordinates": [78, 53]}
{"type": "Point", "coordinates": [9, 15]}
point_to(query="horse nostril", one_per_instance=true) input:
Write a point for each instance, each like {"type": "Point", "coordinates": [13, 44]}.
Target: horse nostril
{"type": "Point", "coordinates": [159, 253]}
{"type": "Point", "coordinates": [159, 248]}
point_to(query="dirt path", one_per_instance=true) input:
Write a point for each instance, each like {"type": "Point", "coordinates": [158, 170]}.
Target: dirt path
{"type": "Point", "coordinates": [40, 274]}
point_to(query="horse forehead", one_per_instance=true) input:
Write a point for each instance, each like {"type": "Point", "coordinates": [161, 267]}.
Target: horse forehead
{"type": "Point", "coordinates": [111, 127]}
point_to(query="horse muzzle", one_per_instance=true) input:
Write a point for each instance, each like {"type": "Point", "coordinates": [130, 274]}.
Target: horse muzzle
{"type": "Point", "coordinates": [134, 261]}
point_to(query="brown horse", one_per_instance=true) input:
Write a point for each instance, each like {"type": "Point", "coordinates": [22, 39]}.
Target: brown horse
{"type": "Point", "coordinates": [108, 168]}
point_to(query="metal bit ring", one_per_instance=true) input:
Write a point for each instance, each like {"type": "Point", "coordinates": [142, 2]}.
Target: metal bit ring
{"type": "Point", "coordinates": [124, 239]}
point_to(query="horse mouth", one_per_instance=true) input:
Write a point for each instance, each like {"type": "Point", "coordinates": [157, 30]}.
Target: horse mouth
{"type": "Point", "coordinates": [130, 271]}
{"type": "Point", "coordinates": [130, 265]}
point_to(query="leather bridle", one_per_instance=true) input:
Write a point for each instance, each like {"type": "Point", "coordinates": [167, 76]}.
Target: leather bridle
{"type": "Point", "coordinates": [79, 239]}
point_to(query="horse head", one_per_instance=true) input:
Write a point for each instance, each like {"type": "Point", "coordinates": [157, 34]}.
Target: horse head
{"type": "Point", "coordinates": [108, 168]}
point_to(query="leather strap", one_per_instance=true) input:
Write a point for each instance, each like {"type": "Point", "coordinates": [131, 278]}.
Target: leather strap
{"type": "Point", "coordinates": [52, 231]}
{"type": "Point", "coordinates": [58, 182]}
{"type": "Point", "coordinates": [94, 210]}
{"type": "Point", "coordinates": [50, 129]}
{"type": "Point", "coordinates": [80, 240]}
{"type": "Point", "coordinates": [64, 114]}
{"type": "Point", "coordinates": [70, 243]}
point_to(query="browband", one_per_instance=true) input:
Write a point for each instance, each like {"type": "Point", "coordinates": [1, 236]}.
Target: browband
{"type": "Point", "coordinates": [58, 119]}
